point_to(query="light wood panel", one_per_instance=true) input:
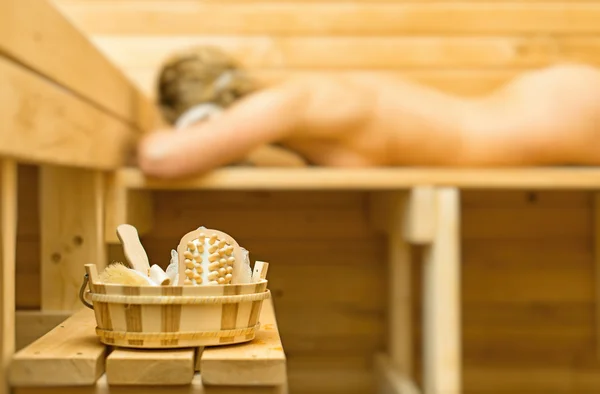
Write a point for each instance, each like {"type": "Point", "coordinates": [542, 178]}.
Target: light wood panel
{"type": "Point", "coordinates": [192, 17]}
{"type": "Point", "coordinates": [42, 122]}
{"type": "Point", "coordinates": [362, 52]}
{"type": "Point", "coordinates": [36, 34]}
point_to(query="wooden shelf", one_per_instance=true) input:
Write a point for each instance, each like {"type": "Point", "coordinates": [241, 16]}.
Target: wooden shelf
{"type": "Point", "coordinates": [319, 178]}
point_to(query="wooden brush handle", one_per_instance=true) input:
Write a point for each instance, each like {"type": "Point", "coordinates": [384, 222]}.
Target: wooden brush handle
{"type": "Point", "coordinates": [260, 271]}
{"type": "Point", "coordinates": [132, 246]}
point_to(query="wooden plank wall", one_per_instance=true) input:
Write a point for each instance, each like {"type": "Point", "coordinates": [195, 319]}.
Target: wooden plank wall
{"type": "Point", "coordinates": [466, 47]}
{"type": "Point", "coordinates": [528, 273]}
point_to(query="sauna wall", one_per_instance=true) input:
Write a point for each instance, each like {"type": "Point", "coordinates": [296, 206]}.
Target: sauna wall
{"type": "Point", "coordinates": [527, 264]}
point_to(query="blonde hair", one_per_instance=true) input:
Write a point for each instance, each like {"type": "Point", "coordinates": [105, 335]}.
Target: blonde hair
{"type": "Point", "coordinates": [197, 75]}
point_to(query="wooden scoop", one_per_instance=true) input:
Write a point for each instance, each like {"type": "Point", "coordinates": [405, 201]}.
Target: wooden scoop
{"type": "Point", "coordinates": [132, 246]}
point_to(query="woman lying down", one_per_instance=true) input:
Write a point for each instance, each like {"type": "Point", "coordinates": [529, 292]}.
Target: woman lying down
{"type": "Point", "coordinates": [548, 116]}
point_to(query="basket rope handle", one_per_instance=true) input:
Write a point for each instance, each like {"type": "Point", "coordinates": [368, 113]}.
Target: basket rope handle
{"type": "Point", "coordinates": [82, 292]}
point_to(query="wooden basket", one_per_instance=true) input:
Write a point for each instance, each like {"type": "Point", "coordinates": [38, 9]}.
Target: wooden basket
{"type": "Point", "coordinates": [174, 316]}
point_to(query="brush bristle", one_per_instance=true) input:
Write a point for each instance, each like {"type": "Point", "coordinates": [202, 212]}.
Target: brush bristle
{"type": "Point", "coordinates": [118, 273]}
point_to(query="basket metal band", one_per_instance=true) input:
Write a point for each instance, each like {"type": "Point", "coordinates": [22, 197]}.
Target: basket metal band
{"type": "Point", "coordinates": [185, 300]}
{"type": "Point", "coordinates": [183, 335]}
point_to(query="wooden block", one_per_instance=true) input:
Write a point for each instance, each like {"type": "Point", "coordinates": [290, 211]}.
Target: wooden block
{"type": "Point", "coordinates": [69, 355]}
{"type": "Point", "coordinates": [43, 123]}
{"type": "Point", "coordinates": [134, 207]}
{"type": "Point", "coordinates": [8, 244]}
{"type": "Point", "coordinates": [259, 362]}
{"type": "Point", "coordinates": [72, 232]}
{"type": "Point", "coordinates": [32, 325]}
{"type": "Point", "coordinates": [150, 367]}
{"type": "Point", "coordinates": [35, 39]}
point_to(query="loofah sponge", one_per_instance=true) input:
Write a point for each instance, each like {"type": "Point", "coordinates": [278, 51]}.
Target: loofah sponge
{"type": "Point", "coordinates": [118, 273]}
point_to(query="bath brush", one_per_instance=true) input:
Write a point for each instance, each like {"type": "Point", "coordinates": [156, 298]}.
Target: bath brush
{"type": "Point", "coordinates": [133, 248]}
{"type": "Point", "coordinates": [211, 257]}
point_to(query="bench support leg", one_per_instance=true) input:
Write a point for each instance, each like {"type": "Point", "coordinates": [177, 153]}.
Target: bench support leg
{"type": "Point", "coordinates": [72, 232]}
{"type": "Point", "coordinates": [8, 218]}
{"type": "Point", "coordinates": [441, 299]}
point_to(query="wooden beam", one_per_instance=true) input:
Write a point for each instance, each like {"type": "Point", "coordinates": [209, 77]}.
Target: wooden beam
{"type": "Point", "coordinates": [69, 355]}
{"type": "Point", "coordinates": [72, 232]}
{"type": "Point", "coordinates": [36, 34]}
{"type": "Point", "coordinates": [43, 123]}
{"type": "Point", "coordinates": [372, 179]}
{"type": "Point", "coordinates": [261, 362]}
{"type": "Point", "coordinates": [8, 245]}
{"type": "Point", "coordinates": [441, 295]}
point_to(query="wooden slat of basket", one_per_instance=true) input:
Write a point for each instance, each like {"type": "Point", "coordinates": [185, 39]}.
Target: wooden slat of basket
{"type": "Point", "coordinates": [259, 362]}
{"type": "Point", "coordinates": [150, 367]}
{"type": "Point", "coordinates": [69, 355]}
{"type": "Point", "coordinates": [196, 387]}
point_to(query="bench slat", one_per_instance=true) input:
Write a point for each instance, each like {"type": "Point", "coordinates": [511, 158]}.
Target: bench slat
{"type": "Point", "coordinates": [69, 355]}
{"type": "Point", "coordinates": [322, 178]}
{"type": "Point", "coordinates": [259, 362]}
{"type": "Point", "coordinates": [148, 367]}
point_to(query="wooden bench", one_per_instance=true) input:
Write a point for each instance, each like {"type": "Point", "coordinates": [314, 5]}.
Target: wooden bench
{"type": "Point", "coordinates": [71, 359]}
